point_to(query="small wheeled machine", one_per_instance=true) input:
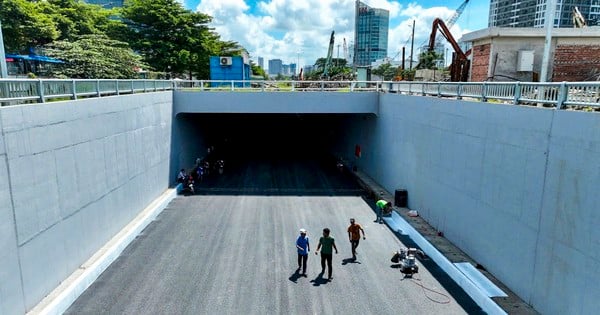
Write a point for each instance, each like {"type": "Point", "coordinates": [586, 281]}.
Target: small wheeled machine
{"type": "Point", "coordinates": [407, 259]}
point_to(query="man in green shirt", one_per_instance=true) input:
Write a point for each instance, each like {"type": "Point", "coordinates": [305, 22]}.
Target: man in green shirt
{"type": "Point", "coordinates": [328, 244]}
{"type": "Point", "coordinates": [381, 207]}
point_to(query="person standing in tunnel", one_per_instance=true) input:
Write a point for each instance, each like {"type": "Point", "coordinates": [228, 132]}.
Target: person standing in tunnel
{"type": "Point", "coordinates": [303, 247]}
{"type": "Point", "coordinates": [354, 235]}
{"type": "Point", "coordinates": [328, 244]}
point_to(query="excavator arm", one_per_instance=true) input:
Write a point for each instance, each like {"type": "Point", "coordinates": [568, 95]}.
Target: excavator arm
{"type": "Point", "coordinates": [459, 68]}
{"type": "Point", "coordinates": [329, 55]}
{"type": "Point", "coordinates": [439, 24]}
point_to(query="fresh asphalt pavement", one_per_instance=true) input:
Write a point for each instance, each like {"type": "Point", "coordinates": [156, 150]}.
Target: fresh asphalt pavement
{"type": "Point", "coordinates": [230, 249]}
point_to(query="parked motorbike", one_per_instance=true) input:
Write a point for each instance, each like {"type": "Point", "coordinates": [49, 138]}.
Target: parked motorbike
{"type": "Point", "coordinates": [189, 185]}
{"type": "Point", "coordinates": [220, 166]}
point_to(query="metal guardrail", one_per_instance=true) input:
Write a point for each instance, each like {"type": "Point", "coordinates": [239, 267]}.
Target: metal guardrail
{"type": "Point", "coordinates": [560, 95]}
{"type": "Point", "coordinates": [563, 95]}
{"type": "Point", "coordinates": [26, 91]}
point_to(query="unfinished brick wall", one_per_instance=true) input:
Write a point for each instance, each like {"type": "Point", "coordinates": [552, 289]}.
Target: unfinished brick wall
{"type": "Point", "coordinates": [480, 62]}
{"type": "Point", "coordinates": [576, 62]}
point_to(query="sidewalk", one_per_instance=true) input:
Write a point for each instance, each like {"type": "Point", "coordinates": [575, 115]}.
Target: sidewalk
{"type": "Point", "coordinates": [510, 304]}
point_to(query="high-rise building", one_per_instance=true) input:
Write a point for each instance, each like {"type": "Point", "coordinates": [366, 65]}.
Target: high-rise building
{"type": "Point", "coordinates": [370, 34]}
{"type": "Point", "coordinates": [275, 66]}
{"type": "Point", "coordinates": [532, 13]}
{"type": "Point", "coordinates": [261, 62]}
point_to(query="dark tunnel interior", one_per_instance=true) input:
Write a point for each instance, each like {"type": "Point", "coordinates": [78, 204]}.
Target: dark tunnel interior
{"type": "Point", "coordinates": [275, 153]}
{"type": "Point", "coordinates": [271, 136]}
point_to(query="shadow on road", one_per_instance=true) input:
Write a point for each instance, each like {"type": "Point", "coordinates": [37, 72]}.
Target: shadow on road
{"type": "Point", "coordinates": [296, 275]}
{"type": "Point", "coordinates": [319, 280]}
{"type": "Point", "coordinates": [346, 261]}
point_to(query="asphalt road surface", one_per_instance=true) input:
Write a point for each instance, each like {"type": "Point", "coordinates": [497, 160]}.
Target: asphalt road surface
{"type": "Point", "coordinates": [231, 250]}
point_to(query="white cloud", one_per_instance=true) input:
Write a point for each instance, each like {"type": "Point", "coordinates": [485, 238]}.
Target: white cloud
{"type": "Point", "coordinates": [291, 29]}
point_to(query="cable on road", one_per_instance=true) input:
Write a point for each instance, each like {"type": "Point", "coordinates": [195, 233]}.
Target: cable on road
{"type": "Point", "coordinates": [425, 289]}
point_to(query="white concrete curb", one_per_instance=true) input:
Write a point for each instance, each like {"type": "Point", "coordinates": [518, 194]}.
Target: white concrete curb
{"type": "Point", "coordinates": [59, 300]}
{"type": "Point", "coordinates": [396, 222]}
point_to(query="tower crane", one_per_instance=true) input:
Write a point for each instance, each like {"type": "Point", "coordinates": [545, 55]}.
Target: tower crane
{"type": "Point", "coordinates": [452, 20]}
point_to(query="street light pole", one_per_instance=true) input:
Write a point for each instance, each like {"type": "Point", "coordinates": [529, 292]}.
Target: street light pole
{"type": "Point", "coordinates": [412, 44]}
{"type": "Point", "coordinates": [3, 69]}
{"type": "Point", "coordinates": [549, 16]}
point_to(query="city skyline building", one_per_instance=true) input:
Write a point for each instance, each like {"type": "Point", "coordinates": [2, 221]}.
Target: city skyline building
{"type": "Point", "coordinates": [371, 28]}
{"type": "Point", "coordinates": [261, 62]}
{"type": "Point", "coordinates": [531, 13]}
{"type": "Point", "coordinates": [275, 66]}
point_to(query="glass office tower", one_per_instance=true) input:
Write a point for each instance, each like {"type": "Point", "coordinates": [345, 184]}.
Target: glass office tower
{"type": "Point", "coordinates": [370, 34]}
{"type": "Point", "coordinates": [531, 13]}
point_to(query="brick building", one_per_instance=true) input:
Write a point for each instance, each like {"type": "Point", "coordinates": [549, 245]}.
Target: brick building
{"type": "Point", "coordinates": [515, 54]}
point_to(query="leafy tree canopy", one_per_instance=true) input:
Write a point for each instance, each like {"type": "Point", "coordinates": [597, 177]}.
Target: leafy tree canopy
{"type": "Point", "coordinates": [95, 57]}
{"type": "Point", "coordinates": [429, 60]}
{"type": "Point", "coordinates": [386, 71]}
{"type": "Point", "coordinates": [172, 38]}
{"type": "Point", "coordinates": [25, 26]}
{"type": "Point", "coordinates": [257, 70]}
{"type": "Point", "coordinates": [338, 70]}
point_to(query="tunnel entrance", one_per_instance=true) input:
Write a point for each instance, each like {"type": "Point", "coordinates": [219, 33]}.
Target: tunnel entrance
{"type": "Point", "coordinates": [274, 154]}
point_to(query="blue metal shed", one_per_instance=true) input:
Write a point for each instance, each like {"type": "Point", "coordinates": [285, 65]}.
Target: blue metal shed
{"type": "Point", "coordinates": [229, 68]}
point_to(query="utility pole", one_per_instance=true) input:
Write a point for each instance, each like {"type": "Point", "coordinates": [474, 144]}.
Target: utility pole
{"type": "Point", "coordinates": [412, 44]}
{"type": "Point", "coordinates": [549, 25]}
{"type": "Point", "coordinates": [3, 69]}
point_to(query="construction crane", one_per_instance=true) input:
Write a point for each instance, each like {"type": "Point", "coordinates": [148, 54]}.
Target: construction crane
{"type": "Point", "coordinates": [459, 68]}
{"type": "Point", "coordinates": [452, 20]}
{"type": "Point", "coordinates": [329, 54]}
{"type": "Point", "coordinates": [345, 47]}
{"type": "Point", "coordinates": [578, 19]}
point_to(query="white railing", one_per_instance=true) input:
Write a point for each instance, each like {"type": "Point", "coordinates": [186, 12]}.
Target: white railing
{"type": "Point", "coordinates": [22, 91]}
{"type": "Point", "coordinates": [572, 95]}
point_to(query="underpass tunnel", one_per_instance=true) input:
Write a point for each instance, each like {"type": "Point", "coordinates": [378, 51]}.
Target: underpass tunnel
{"type": "Point", "coordinates": [266, 151]}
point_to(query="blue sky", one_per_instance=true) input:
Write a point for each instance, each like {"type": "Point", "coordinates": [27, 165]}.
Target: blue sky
{"type": "Point", "coordinates": [299, 30]}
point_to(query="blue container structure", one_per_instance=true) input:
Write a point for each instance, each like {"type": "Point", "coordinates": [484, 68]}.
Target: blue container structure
{"type": "Point", "coordinates": [229, 68]}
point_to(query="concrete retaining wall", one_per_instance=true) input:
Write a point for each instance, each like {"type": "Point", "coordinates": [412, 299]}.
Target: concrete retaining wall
{"type": "Point", "coordinates": [275, 102]}
{"type": "Point", "coordinates": [73, 174]}
{"type": "Point", "coordinates": [512, 186]}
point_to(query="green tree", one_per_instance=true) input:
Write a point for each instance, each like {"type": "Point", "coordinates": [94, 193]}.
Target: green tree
{"type": "Point", "coordinates": [25, 26]}
{"type": "Point", "coordinates": [172, 38]}
{"type": "Point", "coordinates": [74, 18]}
{"type": "Point", "coordinates": [429, 60]}
{"type": "Point", "coordinates": [339, 70]}
{"type": "Point", "coordinates": [257, 70]}
{"type": "Point", "coordinates": [95, 57]}
{"type": "Point", "coordinates": [386, 71]}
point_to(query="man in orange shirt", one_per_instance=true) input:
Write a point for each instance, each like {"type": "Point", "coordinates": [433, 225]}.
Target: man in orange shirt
{"type": "Point", "coordinates": [354, 235]}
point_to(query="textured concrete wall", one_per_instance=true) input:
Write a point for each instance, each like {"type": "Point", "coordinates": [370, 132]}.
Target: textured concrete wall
{"type": "Point", "coordinates": [567, 266]}
{"type": "Point", "coordinates": [512, 186]}
{"type": "Point", "coordinates": [79, 172]}
{"type": "Point", "coordinates": [279, 102]}
{"type": "Point", "coordinates": [11, 289]}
